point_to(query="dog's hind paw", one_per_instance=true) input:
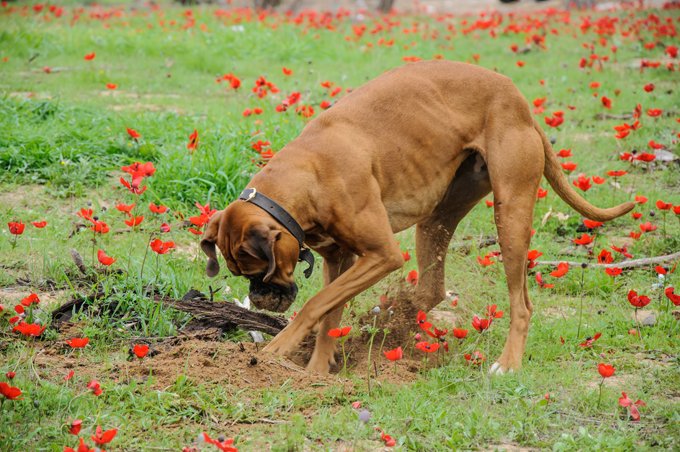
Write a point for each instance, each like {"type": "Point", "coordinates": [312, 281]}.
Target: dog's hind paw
{"type": "Point", "coordinates": [498, 369]}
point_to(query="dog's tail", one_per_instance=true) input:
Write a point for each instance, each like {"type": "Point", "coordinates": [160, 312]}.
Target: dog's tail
{"type": "Point", "coordinates": [553, 173]}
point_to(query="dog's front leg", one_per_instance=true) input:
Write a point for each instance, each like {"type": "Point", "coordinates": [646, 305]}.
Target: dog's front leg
{"type": "Point", "coordinates": [368, 269]}
{"type": "Point", "coordinates": [336, 261]}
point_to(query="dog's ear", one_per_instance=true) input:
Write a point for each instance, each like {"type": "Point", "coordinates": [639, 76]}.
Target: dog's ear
{"type": "Point", "coordinates": [261, 245]}
{"type": "Point", "coordinates": [208, 241]}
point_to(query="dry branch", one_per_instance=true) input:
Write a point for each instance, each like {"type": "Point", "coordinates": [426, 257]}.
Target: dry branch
{"type": "Point", "coordinates": [78, 260]}
{"type": "Point", "coordinates": [207, 314]}
{"type": "Point", "coordinates": [226, 316]}
{"type": "Point", "coordinates": [625, 264]}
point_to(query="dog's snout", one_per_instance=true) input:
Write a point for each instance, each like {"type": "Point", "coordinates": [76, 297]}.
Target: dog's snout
{"type": "Point", "coordinates": [271, 297]}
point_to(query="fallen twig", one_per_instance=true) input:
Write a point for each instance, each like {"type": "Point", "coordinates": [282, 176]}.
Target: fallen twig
{"type": "Point", "coordinates": [466, 248]}
{"type": "Point", "coordinates": [625, 264]}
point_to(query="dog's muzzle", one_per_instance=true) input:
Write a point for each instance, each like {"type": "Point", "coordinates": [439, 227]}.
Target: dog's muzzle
{"type": "Point", "coordinates": [271, 297]}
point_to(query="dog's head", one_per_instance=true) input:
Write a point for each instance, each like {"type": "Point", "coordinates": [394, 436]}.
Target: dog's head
{"type": "Point", "coordinates": [256, 247]}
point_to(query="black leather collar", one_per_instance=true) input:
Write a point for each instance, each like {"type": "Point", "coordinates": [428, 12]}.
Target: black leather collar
{"type": "Point", "coordinates": [279, 213]}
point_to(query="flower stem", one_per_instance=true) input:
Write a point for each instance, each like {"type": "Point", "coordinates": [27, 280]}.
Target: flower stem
{"type": "Point", "coordinates": [370, 349]}
{"type": "Point", "coordinates": [637, 324]}
{"type": "Point", "coordinates": [344, 358]}
{"type": "Point", "coordinates": [599, 399]}
{"type": "Point", "coordinates": [580, 310]}
{"type": "Point", "coordinates": [146, 252]}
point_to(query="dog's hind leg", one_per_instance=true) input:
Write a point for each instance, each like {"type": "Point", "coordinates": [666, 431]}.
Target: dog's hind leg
{"type": "Point", "coordinates": [335, 263]}
{"type": "Point", "coordinates": [515, 170]}
{"type": "Point", "coordinates": [433, 235]}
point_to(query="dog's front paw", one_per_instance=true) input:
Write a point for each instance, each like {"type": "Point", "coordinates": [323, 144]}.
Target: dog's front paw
{"type": "Point", "coordinates": [277, 346]}
{"type": "Point", "coordinates": [319, 366]}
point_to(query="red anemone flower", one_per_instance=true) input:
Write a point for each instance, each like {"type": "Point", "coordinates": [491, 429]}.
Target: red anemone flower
{"type": "Point", "coordinates": [427, 347]}
{"type": "Point", "coordinates": [591, 224]}
{"type": "Point", "coordinates": [568, 166]}
{"type": "Point", "coordinates": [133, 186]}
{"type": "Point", "coordinates": [460, 333]}
{"type": "Point", "coordinates": [95, 387]}
{"type": "Point", "coordinates": [85, 214]}
{"type": "Point", "coordinates": [159, 209]}
{"type": "Point", "coordinates": [39, 224]}
{"type": "Point", "coordinates": [616, 173]}
{"type": "Point", "coordinates": [111, 86]}
{"type": "Point", "coordinates": [541, 283]}
{"type": "Point", "coordinates": [139, 169]}
{"type": "Point", "coordinates": [133, 133]}
{"type": "Point", "coordinates": [590, 341]}
{"type": "Point", "coordinates": [541, 193]}
{"type": "Point", "coordinates": [437, 333]}
{"type": "Point", "coordinates": [623, 250]}
{"type": "Point", "coordinates": [89, 56]}
{"type": "Point", "coordinates": [562, 269]}
{"type": "Point", "coordinates": [480, 324]}
{"type": "Point", "coordinates": [484, 261]}
{"type": "Point", "coordinates": [476, 358]}
{"type": "Point", "coordinates": [638, 301]}
{"type": "Point", "coordinates": [421, 318]}
{"type": "Point", "coordinates": [412, 277]}
{"type": "Point", "coordinates": [103, 437]}
{"type": "Point", "coordinates": [287, 71]}
{"type": "Point", "coordinates": [649, 87]}
{"type": "Point", "coordinates": [193, 141]}
{"type": "Point", "coordinates": [99, 227]}
{"type": "Point", "coordinates": [645, 157]}
{"type": "Point", "coordinates": [663, 205]}
{"type": "Point", "coordinates": [78, 342]}
{"type": "Point", "coordinates": [647, 227]}
{"type": "Point", "coordinates": [670, 294]}
{"type": "Point", "coordinates": [605, 257]}
{"type": "Point", "coordinates": [82, 447]}
{"type": "Point", "coordinates": [140, 350]}
{"type": "Point", "coordinates": [75, 427]}
{"type": "Point", "coordinates": [16, 227]}
{"type": "Point", "coordinates": [224, 445]}
{"type": "Point", "coordinates": [9, 392]}
{"type": "Point", "coordinates": [134, 221]}
{"type": "Point", "coordinates": [492, 313]}
{"type": "Point", "coordinates": [625, 402]}
{"type": "Point", "coordinates": [613, 271]}
{"type": "Point", "coordinates": [394, 355]}
{"type": "Point", "coordinates": [583, 182]}
{"type": "Point", "coordinates": [339, 332]}
{"type": "Point", "coordinates": [564, 153]}
{"type": "Point", "coordinates": [104, 259]}
{"type": "Point", "coordinates": [606, 370]}
{"type": "Point", "coordinates": [125, 208]}
{"type": "Point", "coordinates": [29, 329]}
{"type": "Point", "coordinates": [30, 299]}
{"type": "Point", "coordinates": [585, 239]}
{"type": "Point", "coordinates": [161, 247]}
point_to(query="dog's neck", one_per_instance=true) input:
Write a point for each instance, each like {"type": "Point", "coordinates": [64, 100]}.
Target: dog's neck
{"type": "Point", "coordinates": [288, 194]}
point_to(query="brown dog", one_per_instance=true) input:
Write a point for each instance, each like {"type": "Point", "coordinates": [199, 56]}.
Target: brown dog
{"type": "Point", "coordinates": [421, 144]}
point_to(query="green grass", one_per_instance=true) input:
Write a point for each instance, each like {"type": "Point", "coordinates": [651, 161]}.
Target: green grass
{"type": "Point", "coordinates": [61, 149]}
